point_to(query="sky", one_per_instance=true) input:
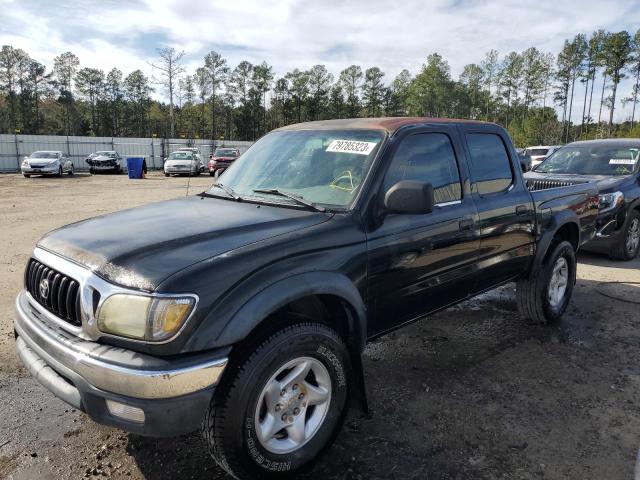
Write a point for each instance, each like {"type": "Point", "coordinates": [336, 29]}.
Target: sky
{"type": "Point", "coordinates": [289, 34]}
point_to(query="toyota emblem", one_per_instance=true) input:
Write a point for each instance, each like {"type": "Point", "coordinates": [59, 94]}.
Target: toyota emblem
{"type": "Point", "coordinates": [44, 288]}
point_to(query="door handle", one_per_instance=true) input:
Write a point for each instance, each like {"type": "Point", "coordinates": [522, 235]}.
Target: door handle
{"type": "Point", "coordinates": [466, 224]}
{"type": "Point", "coordinates": [522, 210]}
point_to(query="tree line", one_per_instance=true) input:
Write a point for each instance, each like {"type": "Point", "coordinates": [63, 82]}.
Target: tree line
{"type": "Point", "coordinates": [532, 93]}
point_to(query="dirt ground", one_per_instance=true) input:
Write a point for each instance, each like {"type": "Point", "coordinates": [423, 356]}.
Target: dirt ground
{"type": "Point", "coordinates": [470, 393]}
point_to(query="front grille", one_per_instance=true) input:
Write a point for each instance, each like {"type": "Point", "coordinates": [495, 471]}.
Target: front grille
{"type": "Point", "coordinates": [62, 295]}
{"type": "Point", "coordinates": [546, 184]}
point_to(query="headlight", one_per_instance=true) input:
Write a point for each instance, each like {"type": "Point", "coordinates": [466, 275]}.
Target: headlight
{"type": "Point", "coordinates": [143, 317]}
{"type": "Point", "coordinates": [609, 201]}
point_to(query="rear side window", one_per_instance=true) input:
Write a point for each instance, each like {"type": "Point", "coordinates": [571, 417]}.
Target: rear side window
{"type": "Point", "coordinates": [490, 165]}
{"type": "Point", "coordinates": [429, 158]}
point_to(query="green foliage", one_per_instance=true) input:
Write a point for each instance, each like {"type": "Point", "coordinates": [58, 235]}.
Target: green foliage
{"type": "Point", "coordinates": [531, 93]}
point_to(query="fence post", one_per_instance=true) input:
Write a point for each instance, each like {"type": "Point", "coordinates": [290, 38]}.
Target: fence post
{"type": "Point", "coordinates": [153, 154]}
{"type": "Point", "coordinates": [17, 149]}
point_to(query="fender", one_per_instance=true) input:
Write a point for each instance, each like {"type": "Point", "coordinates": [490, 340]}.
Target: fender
{"type": "Point", "coordinates": [551, 226]}
{"type": "Point", "coordinates": [284, 291]}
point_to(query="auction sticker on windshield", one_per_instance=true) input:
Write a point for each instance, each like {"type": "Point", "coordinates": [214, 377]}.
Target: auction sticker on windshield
{"type": "Point", "coordinates": [351, 146]}
{"type": "Point", "coordinates": [622, 161]}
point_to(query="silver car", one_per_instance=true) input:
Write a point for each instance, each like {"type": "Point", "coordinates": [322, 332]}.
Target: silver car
{"type": "Point", "coordinates": [49, 162]}
{"type": "Point", "coordinates": [183, 162]}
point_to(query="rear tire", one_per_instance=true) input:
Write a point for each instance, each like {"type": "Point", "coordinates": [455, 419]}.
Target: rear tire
{"type": "Point", "coordinates": [280, 405]}
{"type": "Point", "coordinates": [628, 245]}
{"type": "Point", "coordinates": [26, 175]}
{"type": "Point", "coordinates": [70, 172]}
{"type": "Point", "coordinates": [543, 297]}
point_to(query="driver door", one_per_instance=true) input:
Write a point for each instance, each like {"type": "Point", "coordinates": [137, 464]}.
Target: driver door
{"type": "Point", "coordinates": [419, 263]}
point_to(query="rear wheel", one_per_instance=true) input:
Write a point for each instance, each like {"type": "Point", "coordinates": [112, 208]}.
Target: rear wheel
{"type": "Point", "coordinates": [282, 405]}
{"type": "Point", "coordinates": [70, 172]}
{"type": "Point", "coordinates": [629, 243]}
{"type": "Point", "coordinates": [543, 297]}
{"type": "Point", "coordinates": [26, 175]}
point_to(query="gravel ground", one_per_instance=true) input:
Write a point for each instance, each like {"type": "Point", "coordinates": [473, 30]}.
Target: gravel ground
{"type": "Point", "coordinates": [472, 392]}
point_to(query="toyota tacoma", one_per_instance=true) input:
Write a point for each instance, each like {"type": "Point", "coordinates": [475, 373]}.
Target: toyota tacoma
{"type": "Point", "coordinates": [244, 310]}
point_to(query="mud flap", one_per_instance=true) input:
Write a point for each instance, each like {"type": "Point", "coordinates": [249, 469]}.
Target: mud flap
{"type": "Point", "coordinates": [360, 384]}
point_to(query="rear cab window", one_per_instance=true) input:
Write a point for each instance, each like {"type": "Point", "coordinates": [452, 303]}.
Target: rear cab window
{"type": "Point", "coordinates": [491, 169]}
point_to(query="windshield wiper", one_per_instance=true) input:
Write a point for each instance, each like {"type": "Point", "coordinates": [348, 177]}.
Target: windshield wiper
{"type": "Point", "coordinates": [229, 191]}
{"type": "Point", "coordinates": [296, 198]}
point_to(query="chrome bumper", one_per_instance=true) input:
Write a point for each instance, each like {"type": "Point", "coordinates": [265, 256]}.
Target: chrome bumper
{"type": "Point", "coordinates": [52, 354]}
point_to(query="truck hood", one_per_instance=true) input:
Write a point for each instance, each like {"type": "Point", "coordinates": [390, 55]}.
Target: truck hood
{"type": "Point", "coordinates": [141, 247]}
{"type": "Point", "coordinates": [605, 183]}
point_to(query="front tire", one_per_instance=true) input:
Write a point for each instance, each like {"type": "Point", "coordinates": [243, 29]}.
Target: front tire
{"type": "Point", "coordinates": [544, 296]}
{"type": "Point", "coordinates": [278, 408]}
{"type": "Point", "coordinates": [628, 245]}
{"type": "Point", "coordinates": [59, 175]}
{"type": "Point", "coordinates": [70, 172]}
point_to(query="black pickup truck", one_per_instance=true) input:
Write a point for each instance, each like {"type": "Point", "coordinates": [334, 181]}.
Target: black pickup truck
{"type": "Point", "coordinates": [614, 166]}
{"type": "Point", "coordinates": [244, 310]}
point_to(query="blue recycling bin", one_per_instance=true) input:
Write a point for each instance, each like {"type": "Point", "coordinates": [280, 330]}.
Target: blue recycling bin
{"type": "Point", "coordinates": [134, 167]}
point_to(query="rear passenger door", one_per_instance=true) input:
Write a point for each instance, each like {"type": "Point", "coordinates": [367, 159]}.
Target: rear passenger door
{"type": "Point", "coordinates": [421, 262]}
{"type": "Point", "coordinates": [505, 209]}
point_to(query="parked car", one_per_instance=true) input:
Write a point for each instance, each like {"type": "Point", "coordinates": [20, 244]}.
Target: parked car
{"type": "Point", "coordinates": [49, 162]}
{"type": "Point", "coordinates": [104, 161]}
{"type": "Point", "coordinates": [327, 234]}
{"type": "Point", "coordinates": [182, 162]}
{"type": "Point", "coordinates": [613, 165]}
{"type": "Point", "coordinates": [539, 153]}
{"type": "Point", "coordinates": [222, 158]}
{"type": "Point", "coordinates": [196, 152]}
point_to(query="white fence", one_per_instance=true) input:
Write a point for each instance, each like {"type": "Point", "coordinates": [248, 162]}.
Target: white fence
{"type": "Point", "coordinates": [13, 148]}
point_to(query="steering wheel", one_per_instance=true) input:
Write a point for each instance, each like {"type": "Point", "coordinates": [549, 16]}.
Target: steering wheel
{"type": "Point", "coordinates": [342, 179]}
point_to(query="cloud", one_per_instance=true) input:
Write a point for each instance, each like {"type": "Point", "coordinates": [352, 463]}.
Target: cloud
{"type": "Point", "coordinates": [300, 33]}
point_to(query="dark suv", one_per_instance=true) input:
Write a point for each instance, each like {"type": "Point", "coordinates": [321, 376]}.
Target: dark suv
{"type": "Point", "coordinates": [614, 166]}
{"type": "Point", "coordinates": [244, 310]}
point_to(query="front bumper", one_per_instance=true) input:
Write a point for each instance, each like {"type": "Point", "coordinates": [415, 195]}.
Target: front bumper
{"type": "Point", "coordinates": [609, 230]}
{"type": "Point", "coordinates": [174, 394]}
{"type": "Point", "coordinates": [46, 170]}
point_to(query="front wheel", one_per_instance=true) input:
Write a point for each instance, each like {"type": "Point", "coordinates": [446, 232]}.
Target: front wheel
{"type": "Point", "coordinates": [544, 296]}
{"type": "Point", "coordinates": [282, 405]}
{"type": "Point", "coordinates": [59, 172]}
{"type": "Point", "coordinates": [70, 172]}
{"type": "Point", "coordinates": [628, 245]}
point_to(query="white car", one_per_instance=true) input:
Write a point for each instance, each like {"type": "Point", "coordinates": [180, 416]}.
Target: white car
{"type": "Point", "coordinates": [539, 153]}
{"type": "Point", "coordinates": [183, 162]}
{"type": "Point", "coordinates": [50, 162]}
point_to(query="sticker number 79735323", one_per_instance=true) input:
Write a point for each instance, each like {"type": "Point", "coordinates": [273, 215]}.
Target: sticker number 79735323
{"type": "Point", "coordinates": [351, 146]}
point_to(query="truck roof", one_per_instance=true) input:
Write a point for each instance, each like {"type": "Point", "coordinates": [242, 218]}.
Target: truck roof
{"type": "Point", "coordinates": [389, 124]}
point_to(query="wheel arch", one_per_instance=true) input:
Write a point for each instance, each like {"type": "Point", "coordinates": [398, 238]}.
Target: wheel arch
{"type": "Point", "coordinates": [330, 293]}
{"type": "Point", "coordinates": [563, 226]}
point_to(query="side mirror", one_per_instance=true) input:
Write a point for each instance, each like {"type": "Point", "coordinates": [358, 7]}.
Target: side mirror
{"type": "Point", "coordinates": [409, 196]}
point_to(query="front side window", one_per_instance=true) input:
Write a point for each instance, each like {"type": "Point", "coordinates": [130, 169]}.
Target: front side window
{"type": "Point", "coordinates": [592, 160]}
{"type": "Point", "coordinates": [427, 158]}
{"type": "Point", "coordinates": [326, 167]}
{"type": "Point", "coordinates": [490, 165]}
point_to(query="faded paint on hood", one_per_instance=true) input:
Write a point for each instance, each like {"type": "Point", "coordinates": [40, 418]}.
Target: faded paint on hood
{"type": "Point", "coordinates": [141, 247]}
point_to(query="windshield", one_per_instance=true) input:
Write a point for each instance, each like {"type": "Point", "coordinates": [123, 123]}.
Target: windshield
{"type": "Point", "coordinates": [591, 160]}
{"type": "Point", "coordinates": [44, 155]}
{"type": "Point", "coordinates": [105, 154]}
{"type": "Point", "coordinates": [181, 156]}
{"type": "Point", "coordinates": [323, 167]}
{"type": "Point", "coordinates": [225, 152]}
{"type": "Point", "coordinates": [536, 152]}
